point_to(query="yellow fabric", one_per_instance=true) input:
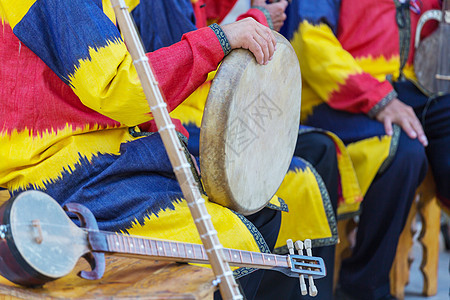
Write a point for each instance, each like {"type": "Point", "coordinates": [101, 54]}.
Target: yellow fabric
{"type": "Point", "coordinates": [178, 225]}
{"type": "Point", "coordinates": [34, 162]}
{"type": "Point", "coordinates": [130, 3]}
{"type": "Point", "coordinates": [275, 201]}
{"type": "Point", "coordinates": [368, 155]}
{"type": "Point", "coordinates": [14, 11]}
{"type": "Point", "coordinates": [351, 191]}
{"type": "Point", "coordinates": [309, 101]}
{"type": "Point", "coordinates": [306, 218]}
{"type": "Point", "coordinates": [191, 110]}
{"type": "Point", "coordinates": [109, 10]}
{"type": "Point", "coordinates": [114, 92]}
{"type": "Point", "coordinates": [380, 66]}
{"type": "Point", "coordinates": [315, 45]}
{"type": "Point", "coordinates": [21, 8]}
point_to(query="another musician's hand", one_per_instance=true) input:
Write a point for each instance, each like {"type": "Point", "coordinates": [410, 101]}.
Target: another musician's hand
{"type": "Point", "coordinates": [276, 11]}
{"type": "Point", "coordinates": [401, 114]}
{"type": "Point", "coordinates": [251, 35]}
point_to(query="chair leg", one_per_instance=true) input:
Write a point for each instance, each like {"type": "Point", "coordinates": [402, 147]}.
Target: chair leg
{"type": "Point", "coordinates": [399, 274]}
{"type": "Point", "coordinates": [430, 213]}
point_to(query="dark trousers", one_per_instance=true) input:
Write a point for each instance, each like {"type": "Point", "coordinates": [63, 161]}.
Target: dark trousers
{"type": "Point", "coordinates": [319, 150]}
{"type": "Point", "coordinates": [365, 275]}
{"type": "Point", "coordinates": [268, 222]}
{"type": "Point", "coordinates": [435, 117]}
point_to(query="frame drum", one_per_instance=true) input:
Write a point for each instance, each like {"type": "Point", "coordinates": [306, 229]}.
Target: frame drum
{"type": "Point", "coordinates": [249, 128]}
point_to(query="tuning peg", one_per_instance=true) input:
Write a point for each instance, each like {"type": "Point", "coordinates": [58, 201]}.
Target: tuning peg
{"type": "Point", "coordinates": [299, 247]}
{"type": "Point", "coordinates": [290, 246]}
{"type": "Point", "coordinates": [312, 287]}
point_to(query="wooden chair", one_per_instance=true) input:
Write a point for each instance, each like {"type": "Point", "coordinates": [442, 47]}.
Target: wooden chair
{"type": "Point", "coordinates": [124, 278]}
{"type": "Point", "coordinates": [426, 207]}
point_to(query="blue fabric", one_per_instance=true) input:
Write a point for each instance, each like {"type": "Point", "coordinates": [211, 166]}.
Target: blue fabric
{"type": "Point", "coordinates": [52, 27]}
{"type": "Point", "coordinates": [120, 189]}
{"type": "Point", "coordinates": [315, 12]}
{"type": "Point", "coordinates": [194, 139]}
{"type": "Point", "coordinates": [162, 23]}
{"type": "Point", "coordinates": [343, 124]}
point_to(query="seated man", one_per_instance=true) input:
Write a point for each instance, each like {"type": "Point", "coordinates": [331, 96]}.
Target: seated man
{"type": "Point", "coordinates": [310, 188]}
{"type": "Point", "coordinates": [71, 101]}
{"type": "Point", "coordinates": [359, 83]}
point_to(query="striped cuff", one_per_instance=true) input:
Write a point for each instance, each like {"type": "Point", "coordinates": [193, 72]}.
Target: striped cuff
{"type": "Point", "coordinates": [226, 47]}
{"type": "Point", "coordinates": [267, 14]}
{"type": "Point", "coordinates": [382, 104]}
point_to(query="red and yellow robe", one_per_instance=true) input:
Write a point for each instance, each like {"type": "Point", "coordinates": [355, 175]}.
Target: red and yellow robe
{"type": "Point", "coordinates": [348, 59]}
{"type": "Point", "coordinates": [70, 95]}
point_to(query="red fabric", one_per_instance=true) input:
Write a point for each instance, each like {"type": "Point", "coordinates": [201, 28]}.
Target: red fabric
{"type": "Point", "coordinates": [371, 34]}
{"type": "Point", "coordinates": [255, 14]}
{"type": "Point", "coordinates": [33, 97]}
{"type": "Point", "coordinates": [184, 66]}
{"type": "Point", "coordinates": [359, 93]}
{"type": "Point", "coordinates": [198, 53]}
{"type": "Point", "coordinates": [200, 13]}
{"type": "Point", "coordinates": [216, 10]}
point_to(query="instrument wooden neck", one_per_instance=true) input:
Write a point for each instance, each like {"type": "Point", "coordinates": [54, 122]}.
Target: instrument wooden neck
{"type": "Point", "coordinates": [184, 252]}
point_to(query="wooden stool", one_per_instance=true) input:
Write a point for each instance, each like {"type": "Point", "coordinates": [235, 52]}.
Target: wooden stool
{"type": "Point", "coordinates": [425, 205]}
{"type": "Point", "coordinates": [124, 278]}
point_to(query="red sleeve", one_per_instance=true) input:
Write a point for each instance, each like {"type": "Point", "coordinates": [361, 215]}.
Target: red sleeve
{"type": "Point", "coordinates": [255, 14]}
{"type": "Point", "coordinates": [360, 93]}
{"type": "Point", "coordinates": [182, 67]}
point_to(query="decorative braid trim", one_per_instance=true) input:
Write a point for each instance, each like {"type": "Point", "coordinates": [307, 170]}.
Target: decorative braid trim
{"type": "Point", "coordinates": [282, 207]}
{"type": "Point", "coordinates": [259, 239]}
{"type": "Point", "coordinates": [266, 14]}
{"type": "Point", "coordinates": [226, 47]}
{"type": "Point", "coordinates": [392, 150]}
{"type": "Point", "coordinates": [382, 104]}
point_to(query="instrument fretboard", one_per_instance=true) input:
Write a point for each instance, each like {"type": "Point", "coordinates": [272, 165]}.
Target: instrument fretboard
{"type": "Point", "coordinates": [189, 252]}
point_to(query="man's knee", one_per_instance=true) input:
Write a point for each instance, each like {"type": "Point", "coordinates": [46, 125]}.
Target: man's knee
{"type": "Point", "coordinates": [315, 147]}
{"type": "Point", "coordinates": [268, 222]}
{"type": "Point", "coordinates": [410, 159]}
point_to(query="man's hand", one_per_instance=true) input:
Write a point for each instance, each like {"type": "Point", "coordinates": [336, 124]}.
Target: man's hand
{"type": "Point", "coordinates": [399, 113]}
{"type": "Point", "coordinates": [251, 35]}
{"type": "Point", "coordinates": [276, 10]}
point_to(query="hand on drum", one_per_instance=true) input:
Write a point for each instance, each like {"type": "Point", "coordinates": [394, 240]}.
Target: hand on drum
{"type": "Point", "coordinates": [251, 35]}
{"type": "Point", "coordinates": [276, 10]}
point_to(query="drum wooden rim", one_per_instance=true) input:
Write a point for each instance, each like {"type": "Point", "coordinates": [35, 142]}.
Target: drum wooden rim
{"type": "Point", "coordinates": [216, 116]}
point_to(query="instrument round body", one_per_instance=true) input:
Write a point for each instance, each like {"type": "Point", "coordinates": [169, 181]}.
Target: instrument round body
{"type": "Point", "coordinates": [432, 55]}
{"type": "Point", "coordinates": [250, 127]}
{"type": "Point", "coordinates": [35, 250]}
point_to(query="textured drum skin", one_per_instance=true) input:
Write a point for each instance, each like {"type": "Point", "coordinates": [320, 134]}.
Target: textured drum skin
{"type": "Point", "coordinates": [249, 128]}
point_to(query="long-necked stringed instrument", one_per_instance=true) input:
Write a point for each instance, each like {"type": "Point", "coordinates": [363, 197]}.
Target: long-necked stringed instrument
{"type": "Point", "coordinates": [40, 243]}
{"type": "Point", "coordinates": [432, 55]}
